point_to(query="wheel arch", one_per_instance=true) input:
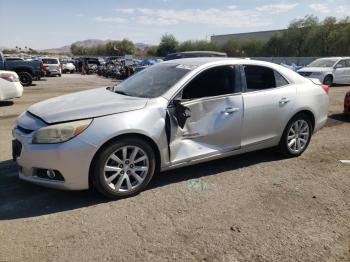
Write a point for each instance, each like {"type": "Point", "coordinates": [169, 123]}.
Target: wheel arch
{"type": "Point", "coordinates": [306, 112]}
{"type": "Point", "coordinates": [149, 140]}
{"type": "Point", "coordinates": [326, 75]}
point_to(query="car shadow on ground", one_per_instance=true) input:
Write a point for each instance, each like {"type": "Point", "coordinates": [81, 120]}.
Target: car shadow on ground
{"type": "Point", "coordinates": [19, 199]}
{"type": "Point", "coordinates": [338, 118]}
{"type": "Point", "coordinates": [6, 103]}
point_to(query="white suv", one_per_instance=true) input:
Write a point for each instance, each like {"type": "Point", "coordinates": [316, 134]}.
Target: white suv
{"type": "Point", "coordinates": [331, 70]}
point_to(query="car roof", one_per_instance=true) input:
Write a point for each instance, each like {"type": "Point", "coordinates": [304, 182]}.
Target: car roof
{"type": "Point", "coordinates": [198, 61]}
{"type": "Point", "coordinates": [207, 61]}
{"type": "Point", "coordinates": [199, 52]}
{"type": "Point", "coordinates": [335, 57]}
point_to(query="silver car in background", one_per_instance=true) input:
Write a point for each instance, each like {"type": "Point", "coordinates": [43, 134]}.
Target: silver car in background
{"type": "Point", "coordinates": [169, 115]}
{"type": "Point", "coordinates": [330, 70]}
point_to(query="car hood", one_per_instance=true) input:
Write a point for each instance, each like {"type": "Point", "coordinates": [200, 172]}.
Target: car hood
{"type": "Point", "coordinates": [315, 69]}
{"type": "Point", "coordinates": [85, 104]}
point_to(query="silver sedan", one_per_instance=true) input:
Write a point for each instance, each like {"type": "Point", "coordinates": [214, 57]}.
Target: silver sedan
{"type": "Point", "coordinates": [170, 115]}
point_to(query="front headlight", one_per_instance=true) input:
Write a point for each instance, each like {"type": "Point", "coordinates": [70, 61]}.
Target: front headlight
{"type": "Point", "coordinates": [316, 73]}
{"type": "Point", "coordinates": [60, 133]}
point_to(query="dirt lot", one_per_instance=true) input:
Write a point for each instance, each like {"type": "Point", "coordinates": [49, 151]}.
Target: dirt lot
{"type": "Point", "coordinates": [254, 207]}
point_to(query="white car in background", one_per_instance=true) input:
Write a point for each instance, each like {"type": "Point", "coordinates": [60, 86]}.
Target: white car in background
{"type": "Point", "coordinates": [10, 87]}
{"type": "Point", "coordinates": [52, 65]}
{"type": "Point", "coordinates": [330, 70]}
{"type": "Point", "coordinates": [68, 67]}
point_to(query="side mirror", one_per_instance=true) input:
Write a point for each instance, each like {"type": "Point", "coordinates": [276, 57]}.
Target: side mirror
{"type": "Point", "coordinates": [181, 112]}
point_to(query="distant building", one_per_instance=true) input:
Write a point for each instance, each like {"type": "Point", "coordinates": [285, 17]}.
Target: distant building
{"type": "Point", "coordinates": [262, 36]}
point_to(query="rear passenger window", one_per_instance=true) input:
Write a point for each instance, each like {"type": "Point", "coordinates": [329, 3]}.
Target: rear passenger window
{"type": "Point", "coordinates": [347, 62]}
{"type": "Point", "coordinates": [280, 80]}
{"type": "Point", "coordinates": [260, 78]}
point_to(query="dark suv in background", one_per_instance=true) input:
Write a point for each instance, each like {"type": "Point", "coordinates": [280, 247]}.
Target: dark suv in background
{"type": "Point", "coordinates": [26, 70]}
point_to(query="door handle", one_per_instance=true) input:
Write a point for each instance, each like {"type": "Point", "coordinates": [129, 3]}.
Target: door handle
{"type": "Point", "coordinates": [283, 101]}
{"type": "Point", "coordinates": [229, 110]}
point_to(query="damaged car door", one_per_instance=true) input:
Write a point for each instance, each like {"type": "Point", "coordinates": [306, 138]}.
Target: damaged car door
{"type": "Point", "coordinates": [206, 116]}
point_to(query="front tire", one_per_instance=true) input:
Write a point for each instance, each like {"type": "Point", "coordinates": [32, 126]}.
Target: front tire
{"type": "Point", "coordinates": [328, 80]}
{"type": "Point", "coordinates": [25, 78]}
{"type": "Point", "coordinates": [123, 168]}
{"type": "Point", "coordinates": [296, 136]}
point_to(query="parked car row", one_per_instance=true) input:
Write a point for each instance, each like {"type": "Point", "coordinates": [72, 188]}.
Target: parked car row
{"type": "Point", "coordinates": [16, 72]}
{"type": "Point", "coordinates": [27, 71]}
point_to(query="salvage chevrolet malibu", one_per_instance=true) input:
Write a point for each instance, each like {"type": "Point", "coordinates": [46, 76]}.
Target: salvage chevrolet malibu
{"type": "Point", "coordinates": [169, 115]}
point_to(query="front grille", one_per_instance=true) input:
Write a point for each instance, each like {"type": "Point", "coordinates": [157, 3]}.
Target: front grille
{"type": "Point", "coordinates": [305, 73]}
{"type": "Point", "coordinates": [25, 130]}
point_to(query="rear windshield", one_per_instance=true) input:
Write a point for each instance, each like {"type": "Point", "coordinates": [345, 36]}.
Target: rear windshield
{"type": "Point", "coordinates": [93, 61]}
{"type": "Point", "coordinates": [50, 61]}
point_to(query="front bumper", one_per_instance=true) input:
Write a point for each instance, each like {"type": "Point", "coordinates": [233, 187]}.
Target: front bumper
{"type": "Point", "coordinates": [72, 159]}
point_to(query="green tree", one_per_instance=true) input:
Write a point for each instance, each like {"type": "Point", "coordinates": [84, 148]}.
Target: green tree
{"type": "Point", "coordinates": [152, 50]}
{"type": "Point", "coordinates": [77, 50]}
{"type": "Point", "coordinates": [168, 44]}
{"type": "Point", "coordinates": [198, 45]}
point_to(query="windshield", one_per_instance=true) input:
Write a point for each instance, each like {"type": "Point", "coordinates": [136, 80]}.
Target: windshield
{"type": "Point", "coordinates": [50, 61]}
{"type": "Point", "coordinates": [323, 63]}
{"type": "Point", "coordinates": [153, 81]}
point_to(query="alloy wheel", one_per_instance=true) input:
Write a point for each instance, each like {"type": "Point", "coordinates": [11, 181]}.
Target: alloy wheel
{"type": "Point", "coordinates": [126, 168]}
{"type": "Point", "coordinates": [298, 136]}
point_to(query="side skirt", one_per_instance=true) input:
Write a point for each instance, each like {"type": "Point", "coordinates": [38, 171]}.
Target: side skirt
{"type": "Point", "coordinates": [245, 149]}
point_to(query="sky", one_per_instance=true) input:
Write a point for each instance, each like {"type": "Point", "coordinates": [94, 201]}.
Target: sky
{"type": "Point", "coordinates": [41, 24]}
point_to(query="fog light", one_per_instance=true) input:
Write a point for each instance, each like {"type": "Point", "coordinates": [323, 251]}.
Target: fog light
{"type": "Point", "coordinates": [50, 173]}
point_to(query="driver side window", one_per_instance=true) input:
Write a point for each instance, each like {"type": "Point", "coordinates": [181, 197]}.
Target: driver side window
{"type": "Point", "coordinates": [212, 82]}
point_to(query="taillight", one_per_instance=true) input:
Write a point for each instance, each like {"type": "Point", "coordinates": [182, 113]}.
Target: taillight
{"type": "Point", "coordinates": [325, 88]}
{"type": "Point", "coordinates": [59, 66]}
{"type": "Point", "coordinates": [9, 77]}
{"type": "Point", "coordinates": [42, 67]}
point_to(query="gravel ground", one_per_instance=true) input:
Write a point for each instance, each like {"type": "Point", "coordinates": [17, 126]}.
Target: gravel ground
{"type": "Point", "coordinates": [253, 207]}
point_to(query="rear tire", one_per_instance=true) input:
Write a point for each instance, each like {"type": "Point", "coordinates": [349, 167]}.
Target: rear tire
{"type": "Point", "coordinates": [328, 80]}
{"type": "Point", "coordinates": [296, 136]}
{"type": "Point", "coordinates": [123, 168]}
{"type": "Point", "coordinates": [25, 78]}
